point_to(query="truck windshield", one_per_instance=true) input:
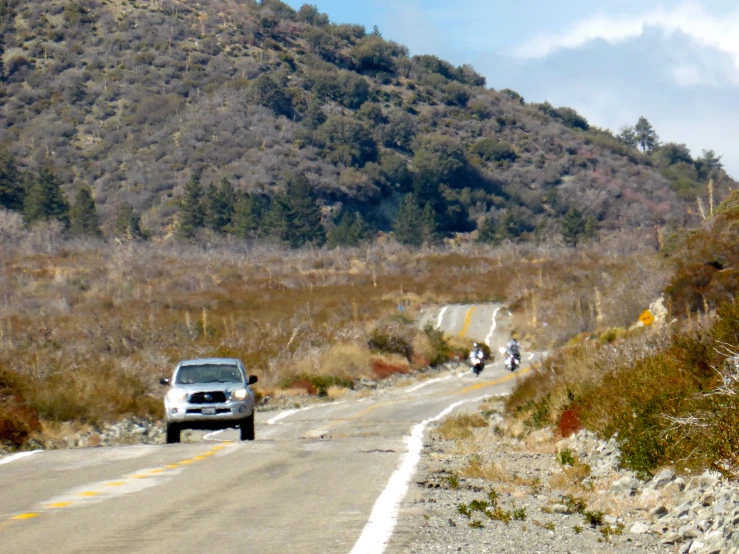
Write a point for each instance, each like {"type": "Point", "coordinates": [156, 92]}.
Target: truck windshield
{"type": "Point", "coordinates": [192, 374]}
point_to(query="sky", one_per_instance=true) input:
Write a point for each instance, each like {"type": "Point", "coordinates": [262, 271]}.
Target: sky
{"type": "Point", "coordinates": [674, 62]}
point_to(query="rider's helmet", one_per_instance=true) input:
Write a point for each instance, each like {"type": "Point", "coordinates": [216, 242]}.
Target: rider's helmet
{"type": "Point", "coordinates": [474, 345]}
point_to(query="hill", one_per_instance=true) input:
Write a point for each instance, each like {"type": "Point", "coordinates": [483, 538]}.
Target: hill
{"type": "Point", "coordinates": [134, 98]}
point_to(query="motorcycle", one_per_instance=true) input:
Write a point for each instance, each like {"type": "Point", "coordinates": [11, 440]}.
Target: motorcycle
{"type": "Point", "coordinates": [511, 361]}
{"type": "Point", "coordinates": [477, 362]}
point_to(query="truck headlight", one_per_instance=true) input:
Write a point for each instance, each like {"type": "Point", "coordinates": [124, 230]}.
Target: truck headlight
{"type": "Point", "coordinates": [177, 396]}
{"type": "Point", "coordinates": [240, 394]}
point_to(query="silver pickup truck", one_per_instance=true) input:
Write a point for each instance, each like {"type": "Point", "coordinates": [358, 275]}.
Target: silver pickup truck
{"type": "Point", "coordinates": [211, 394]}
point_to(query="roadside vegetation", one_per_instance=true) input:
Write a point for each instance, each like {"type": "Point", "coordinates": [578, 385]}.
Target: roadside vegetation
{"type": "Point", "coordinates": [668, 394]}
{"type": "Point", "coordinates": [87, 328]}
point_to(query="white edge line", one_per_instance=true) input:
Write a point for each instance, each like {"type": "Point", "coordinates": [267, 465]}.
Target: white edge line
{"type": "Point", "coordinates": [287, 413]}
{"type": "Point", "coordinates": [18, 456]}
{"type": "Point", "coordinates": [441, 316]}
{"type": "Point", "coordinates": [414, 388]}
{"type": "Point", "coordinates": [384, 516]}
{"type": "Point", "coordinates": [493, 327]}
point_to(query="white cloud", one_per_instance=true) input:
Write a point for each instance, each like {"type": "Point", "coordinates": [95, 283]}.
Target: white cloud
{"type": "Point", "coordinates": [720, 32]}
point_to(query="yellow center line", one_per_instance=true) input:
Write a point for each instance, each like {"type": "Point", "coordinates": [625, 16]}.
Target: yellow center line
{"type": "Point", "coordinates": [29, 515]}
{"type": "Point", "coordinates": [171, 466]}
{"type": "Point", "coordinates": [56, 505]}
{"type": "Point", "coordinates": [467, 321]}
{"type": "Point", "coordinates": [479, 386]}
{"type": "Point", "coordinates": [115, 484]}
{"type": "Point", "coordinates": [89, 494]}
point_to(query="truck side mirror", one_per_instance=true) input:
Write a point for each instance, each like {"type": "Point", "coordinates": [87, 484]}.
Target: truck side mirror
{"type": "Point", "coordinates": [253, 379]}
{"type": "Point", "coordinates": [164, 381]}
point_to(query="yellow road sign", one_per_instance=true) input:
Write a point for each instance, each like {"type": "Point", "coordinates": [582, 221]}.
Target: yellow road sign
{"type": "Point", "coordinates": [646, 318]}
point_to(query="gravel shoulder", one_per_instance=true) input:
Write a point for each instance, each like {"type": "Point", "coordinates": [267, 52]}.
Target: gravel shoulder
{"type": "Point", "coordinates": [549, 507]}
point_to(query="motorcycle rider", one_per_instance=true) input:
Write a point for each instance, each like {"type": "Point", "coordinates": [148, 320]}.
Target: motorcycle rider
{"type": "Point", "coordinates": [477, 352]}
{"type": "Point", "coordinates": [477, 359]}
{"type": "Point", "coordinates": [513, 349]}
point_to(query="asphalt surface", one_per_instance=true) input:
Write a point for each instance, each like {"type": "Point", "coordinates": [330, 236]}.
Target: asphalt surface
{"type": "Point", "coordinates": [307, 484]}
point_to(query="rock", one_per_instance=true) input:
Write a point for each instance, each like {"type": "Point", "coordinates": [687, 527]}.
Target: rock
{"type": "Point", "coordinates": [674, 488]}
{"type": "Point", "coordinates": [708, 479]}
{"type": "Point", "coordinates": [658, 512]}
{"type": "Point", "coordinates": [624, 486]}
{"type": "Point", "coordinates": [696, 547]}
{"type": "Point", "coordinates": [689, 531]}
{"type": "Point", "coordinates": [560, 509]}
{"type": "Point", "coordinates": [662, 478]}
{"type": "Point", "coordinates": [670, 538]}
{"type": "Point", "coordinates": [639, 528]}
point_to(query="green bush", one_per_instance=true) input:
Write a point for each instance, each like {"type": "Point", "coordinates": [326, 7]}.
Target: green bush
{"type": "Point", "coordinates": [386, 343]}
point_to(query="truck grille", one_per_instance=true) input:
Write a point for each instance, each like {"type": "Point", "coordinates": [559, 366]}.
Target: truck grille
{"type": "Point", "coordinates": [215, 397]}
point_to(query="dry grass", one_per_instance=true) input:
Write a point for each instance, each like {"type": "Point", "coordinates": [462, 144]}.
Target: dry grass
{"type": "Point", "coordinates": [481, 469]}
{"type": "Point", "coordinates": [92, 327]}
{"type": "Point", "coordinates": [460, 427]}
{"type": "Point", "coordinates": [570, 478]}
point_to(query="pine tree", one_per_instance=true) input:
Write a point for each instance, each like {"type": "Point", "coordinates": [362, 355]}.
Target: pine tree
{"type": "Point", "coordinates": [350, 230]}
{"type": "Point", "coordinates": [211, 208]}
{"type": "Point", "coordinates": [128, 224]}
{"type": "Point", "coordinates": [488, 232]}
{"type": "Point", "coordinates": [277, 220]}
{"type": "Point", "coordinates": [573, 227]}
{"type": "Point", "coordinates": [84, 215]}
{"type": "Point", "coordinates": [219, 205]}
{"type": "Point", "coordinates": [247, 221]}
{"type": "Point", "coordinates": [646, 136]}
{"type": "Point", "coordinates": [627, 136]}
{"type": "Point", "coordinates": [429, 226]}
{"type": "Point", "coordinates": [303, 215]}
{"type": "Point", "coordinates": [227, 199]}
{"type": "Point", "coordinates": [12, 192]}
{"type": "Point", "coordinates": [45, 199]}
{"type": "Point", "coordinates": [192, 214]}
{"type": "Point", "coordinates": [408, 222]}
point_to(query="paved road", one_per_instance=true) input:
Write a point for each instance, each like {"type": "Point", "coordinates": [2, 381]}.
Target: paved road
{"type": "Point", "coordinates": [320, 480]}
{"type": "Point", "coordinates": [488, 323]}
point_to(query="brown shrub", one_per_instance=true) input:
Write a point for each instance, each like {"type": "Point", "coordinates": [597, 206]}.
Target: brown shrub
{"type": "Point", "coordinates": [569, 422]}
{"type": "Point", "coordinates": [385, 367]}
{"type": "Point", "coordinates": [303, 384]}
{"type": "Point", "coordinates": [17, 423]}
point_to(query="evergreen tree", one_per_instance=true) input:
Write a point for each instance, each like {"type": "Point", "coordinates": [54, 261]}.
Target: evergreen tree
{"type": "Point", "coordinates": [511, 226]}
{"type": "Point", "coordinates": [128, 224]}
{"type": "Point", "coordinates": [45, 199]}
{"type": "Point", "coordinates": [227, 199]}
{"type": "Point", "coordinates": [646, 136]}
{"type": "Point", "coordinates": [627, 136]}
{"type": "Point", "coordinates": [248, 216]}
{"type": "Point", "coordinates": [573, 227]}
{"type": "Point", "coordinates": [12, 192]}
{"type": "Point", "coordinates": [488, 232]}
{"type": "Point", "coordinates": [301, 213]}
{"type": "Point", "coordinates": [350, 230]}
{"type": "Point", "coordinates": [219, 205]}
{"type": "Point", "coordinates": [277, 220]}
{"type": "Point", "coordinates": [429, 226]}
{"type": "Point", "coordinates": [192, 214]}
{"type": "Point", "coordinates": [408, 225]}
{"type": "Point", "coordinates": [84, 215]}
